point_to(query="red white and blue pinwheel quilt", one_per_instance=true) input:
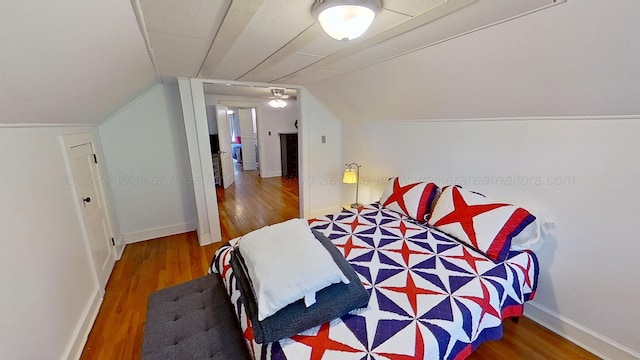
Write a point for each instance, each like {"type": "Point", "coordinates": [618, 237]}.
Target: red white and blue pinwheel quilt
{"type": "Point", "coordinates": [430, 296]}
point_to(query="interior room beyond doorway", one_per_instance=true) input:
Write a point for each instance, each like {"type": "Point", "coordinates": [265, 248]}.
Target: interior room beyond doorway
{"type": "Point", "coordinates": [252, 133]}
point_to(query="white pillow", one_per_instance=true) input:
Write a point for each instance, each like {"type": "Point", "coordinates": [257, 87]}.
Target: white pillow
{"type": "Point", "coordinates": [285, 263]}
{"type": "Point", "coordinates": [533, 236]}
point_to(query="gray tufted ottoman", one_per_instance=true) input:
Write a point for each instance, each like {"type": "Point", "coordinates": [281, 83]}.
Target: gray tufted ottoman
{"type": "Point", "coordinates": [193, 320]}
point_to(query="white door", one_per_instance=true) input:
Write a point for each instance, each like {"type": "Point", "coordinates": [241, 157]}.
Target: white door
{"type": "Point", "coordinates": [88, 184]}
{"type": "Point", "coordinates": [248, 139]}
{"type": "Point", "coordinates": [224, 138]}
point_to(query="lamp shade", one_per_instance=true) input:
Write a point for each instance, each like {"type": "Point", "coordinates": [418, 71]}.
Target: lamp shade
{"type": "Point", "coordinates": [346, 19]}
{"type": "Point", "coordinates": [350, 176]}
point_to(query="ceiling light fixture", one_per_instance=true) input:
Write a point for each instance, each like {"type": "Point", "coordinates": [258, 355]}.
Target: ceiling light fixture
{"type": "Point", "coordinates": [277, 102]}
{"type": "Point", "coordinates": [345, 19]}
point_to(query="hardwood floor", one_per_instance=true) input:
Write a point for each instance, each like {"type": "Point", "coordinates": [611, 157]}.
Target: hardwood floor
{"type": "Point", "coordinates": [253, 202]}
{"type": "Point", "coordinates": [249, 204]}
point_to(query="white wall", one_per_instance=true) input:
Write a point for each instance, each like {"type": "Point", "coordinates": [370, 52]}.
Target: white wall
{"type": "Point", "coordinates": [272, 122]}
{"type": "Point", "coordinates": [582, 173]}
{"type": "Point", "coordinates": [511, 94]}
{"type": "Point", "coordinates": [148, 165]}
{"type": "Point", "coordinates": [49, 289]}
{"type": "Point", "coordinates": [322, 165]}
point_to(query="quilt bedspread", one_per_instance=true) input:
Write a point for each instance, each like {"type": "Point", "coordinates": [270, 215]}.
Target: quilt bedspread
{"type": "Point", "coordinates": [430, 296]}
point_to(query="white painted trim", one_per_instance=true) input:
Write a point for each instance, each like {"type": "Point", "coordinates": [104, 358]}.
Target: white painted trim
{"type": "Point", "coordinates": [206, 239]}
{"type": "Point", "coordinates": [240, 104]}
{"type": "Point", "coordinates": [137, 10]}
{"type": "Point", "coordinates": [325, 211]}
{"type": "Point", "coordinates": [76, 344]}
{"type": "Point", "coordinates": [251, 165]}
{"type": "Point", "coordinates": [207, 180]}
{"type": "Point", "coordinates": [249, 83]}
{"type": "Point", "coordinates": [525, 118]}
{"type": "Point", "coordinates": [45, 125]}
{"type": "Point", "coordinates": [304, 170]}
{"type": "Point", "coordinates": [578, 334]}
{"type": "Point", "coordinates": [189, 118]}
{"type": "Point", "coordinates": [149, 234]}
{"type": "Point", "coordinates": [271, 174]}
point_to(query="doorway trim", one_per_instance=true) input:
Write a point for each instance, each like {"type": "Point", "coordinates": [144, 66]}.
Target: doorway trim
{"type": "Point", "coordinates": [194, 112]}
{"type": "Point", "coordinates": [196, 127]}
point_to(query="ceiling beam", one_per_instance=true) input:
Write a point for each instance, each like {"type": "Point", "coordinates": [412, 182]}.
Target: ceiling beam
{"type": "Point", "coordinates": [137, 10]}
{"type": "Point", "coordinates": [300, 41]}
{"type": "Point", "coordinates": [403, 27]}
{"type": "Point", "coordinates": [235, 21]}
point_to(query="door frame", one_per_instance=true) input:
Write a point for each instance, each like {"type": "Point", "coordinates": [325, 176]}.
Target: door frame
{"type": "Point", "coordinates": [68, 141]}
{"type": "Point", "coordinates": [197, 131]}
{"type": "Point", "coordinates": [194, 114]}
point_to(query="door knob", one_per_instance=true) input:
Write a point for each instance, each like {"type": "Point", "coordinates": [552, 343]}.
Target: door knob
{"type": "Point", "coordinates": [86, 199]}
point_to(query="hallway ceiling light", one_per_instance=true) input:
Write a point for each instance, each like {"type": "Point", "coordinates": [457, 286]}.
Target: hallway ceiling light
{"type": "Point", "coordinates": [277, 101]}
{"type": "Point", "coordinates": [346, 19]}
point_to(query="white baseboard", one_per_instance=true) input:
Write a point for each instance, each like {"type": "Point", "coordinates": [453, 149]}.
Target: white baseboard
{"type": "Point", "coordinates": [271, 174]}
{"type": "Point", "coordinates": [83, 327]}
{"type": "Point", "coordinates": [249, 165]}
{"type": "Point", "coordinates": [325, 211]}
{"type": "Point", "coordinates": [149, 234]}
{"type": "Point", "coordinates": [578, 334]}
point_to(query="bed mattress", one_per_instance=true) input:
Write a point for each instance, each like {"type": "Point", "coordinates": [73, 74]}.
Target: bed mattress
{"type": "Point", "coordinates": [430, 296]}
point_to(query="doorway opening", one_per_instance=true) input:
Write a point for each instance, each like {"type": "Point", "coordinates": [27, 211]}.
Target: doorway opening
{"type": "Point", "coordinates": [246, 142]}
{"type": "Point", "coordinates": [236, 126]}
{"type": "Point", "coordinates": [244, 138]}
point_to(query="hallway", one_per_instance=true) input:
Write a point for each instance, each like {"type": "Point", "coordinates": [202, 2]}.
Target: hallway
{"type": "Point", "coordinates": [253, 202]}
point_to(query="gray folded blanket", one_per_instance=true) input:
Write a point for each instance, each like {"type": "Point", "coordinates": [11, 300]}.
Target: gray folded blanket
{"type": "Point", "coordinates": [331, 302]}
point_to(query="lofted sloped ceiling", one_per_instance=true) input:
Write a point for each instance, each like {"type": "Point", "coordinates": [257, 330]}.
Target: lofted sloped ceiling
{"type": "Point", "coordinates": [81, 61]}
{"type": "Point", "coordinates": [576, 60]}
{"type": "Point", "coordinates": [69, 61]}
{"type": "Point", "coordinates": [279, 41]}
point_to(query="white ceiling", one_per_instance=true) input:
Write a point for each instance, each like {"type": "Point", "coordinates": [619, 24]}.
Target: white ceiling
{"type": "Point", "coordinates": [81, 61]}
{"type": "Point", "coordinates": [279, 41]}
{"type": "Point", "coordinates": [69, 61]}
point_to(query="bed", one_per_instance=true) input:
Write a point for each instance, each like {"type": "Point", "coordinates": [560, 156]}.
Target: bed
{"type": "Point", "coordinates": [430, 295]}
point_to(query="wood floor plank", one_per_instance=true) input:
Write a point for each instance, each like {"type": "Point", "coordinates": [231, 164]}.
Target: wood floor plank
{"type": "Point", "coordinates": [247, 205]}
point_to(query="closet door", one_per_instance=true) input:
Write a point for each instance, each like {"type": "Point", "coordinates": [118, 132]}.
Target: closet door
{"type": "Point", "coordinates": [289, 155]}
